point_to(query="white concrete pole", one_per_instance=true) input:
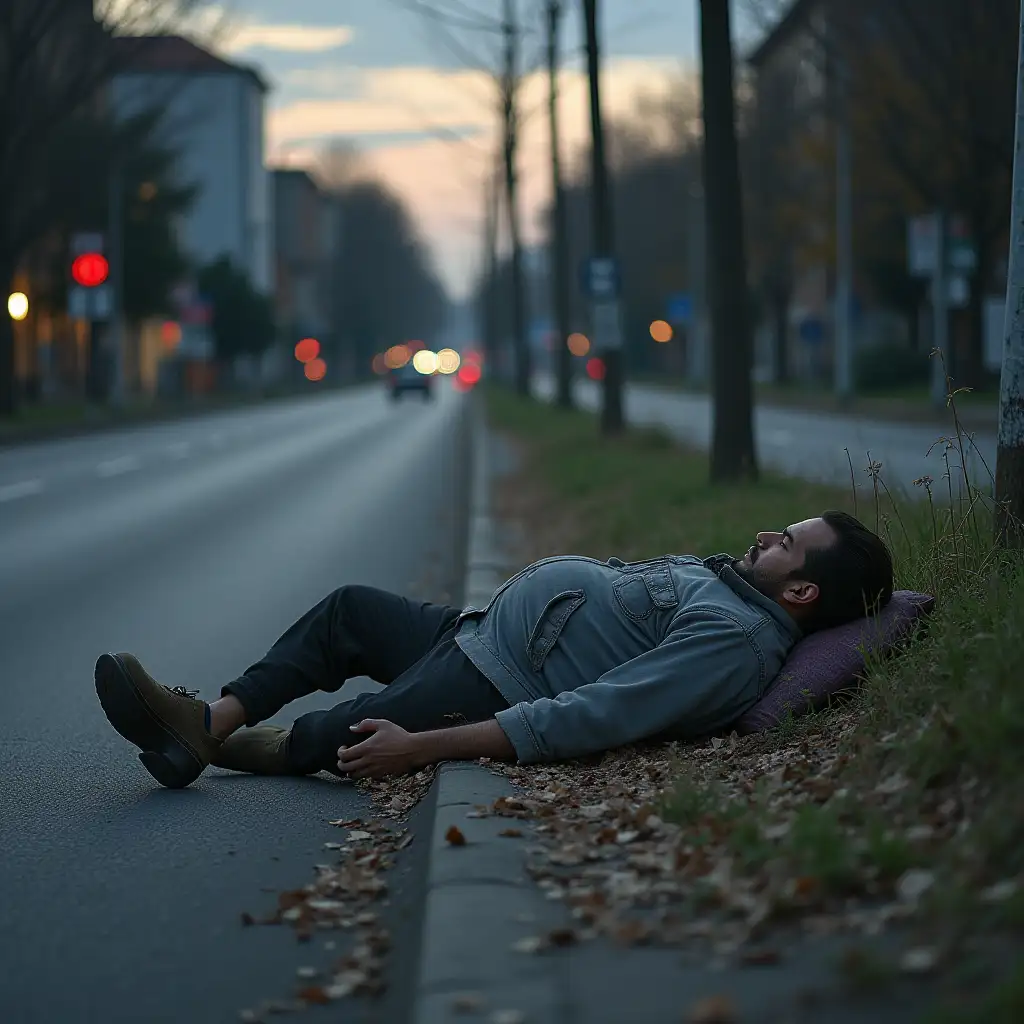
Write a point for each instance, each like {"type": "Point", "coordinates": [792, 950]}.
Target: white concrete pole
{"type": "Point", "coordinates": [1010, 439]}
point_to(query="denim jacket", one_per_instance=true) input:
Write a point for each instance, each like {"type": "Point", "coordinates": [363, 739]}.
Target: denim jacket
{"type": "Point", "coordinates": [591, 655]}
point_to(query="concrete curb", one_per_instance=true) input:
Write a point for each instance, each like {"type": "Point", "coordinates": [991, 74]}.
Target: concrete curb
{"type": "Point", "coordinates": [479, 899]}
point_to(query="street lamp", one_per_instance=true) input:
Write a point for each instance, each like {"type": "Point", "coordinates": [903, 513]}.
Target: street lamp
{"type": "Point", "coordinates": [17, 305]}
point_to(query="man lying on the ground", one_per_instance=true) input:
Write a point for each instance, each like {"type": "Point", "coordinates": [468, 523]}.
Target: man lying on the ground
{"type": "Point", "coordinates": [570, 657]}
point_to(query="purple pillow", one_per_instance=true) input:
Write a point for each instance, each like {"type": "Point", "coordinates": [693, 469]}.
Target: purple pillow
{"type": "Point", "coordinates": [830, 661]}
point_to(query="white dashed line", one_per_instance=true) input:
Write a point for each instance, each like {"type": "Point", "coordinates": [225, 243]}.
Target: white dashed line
{"type": "Point", "coordinates": [115, 467]}
{"type": "Point", "coordinates": [22, 489]}
{"type": "Point", "coordinates": [180, 449]}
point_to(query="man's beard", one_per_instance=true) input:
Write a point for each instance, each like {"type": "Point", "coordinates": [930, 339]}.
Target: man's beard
{"type": "Point", "coordinates": [765, 583]}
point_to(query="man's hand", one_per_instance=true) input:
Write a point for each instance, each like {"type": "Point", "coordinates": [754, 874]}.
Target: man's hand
{"type": "Point", "coordinates": [393, 751]}
{"type": "Point", "coordinates": [389, 751]}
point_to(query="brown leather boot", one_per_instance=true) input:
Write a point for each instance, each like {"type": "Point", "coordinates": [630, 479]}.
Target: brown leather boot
{"type": "Point", "coordinates": [261, 750]}
{"type": "Point", "coordinates": [168, 724]}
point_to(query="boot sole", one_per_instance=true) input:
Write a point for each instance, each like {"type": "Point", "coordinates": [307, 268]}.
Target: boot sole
{"type": "Point", "coordinates": [165, 755]}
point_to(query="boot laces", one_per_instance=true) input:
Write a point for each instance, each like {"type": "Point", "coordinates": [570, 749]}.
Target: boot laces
{"type": "Point", "coordinates": [182, 692]}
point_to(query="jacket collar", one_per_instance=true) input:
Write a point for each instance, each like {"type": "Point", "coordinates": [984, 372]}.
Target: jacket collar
{"type": "Point", "coordinates": [721, 566]}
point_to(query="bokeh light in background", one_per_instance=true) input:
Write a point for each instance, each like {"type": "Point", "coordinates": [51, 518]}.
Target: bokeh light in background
{"type": "Point", "coordinates": [170, 335]}
{"type": "Point", "coordinates": [397, 356]}
{"type": "Point", "coordinates": [425, 361]}
{"type": "Point", "coordinates": [578, 344]}
{"type": "Point", "coordinates": [448, 360]}
{"type": "Point", "coordinates": [379, 363]}
{"type": "Point", "coordinates": [307, 350]}
{"type": "Point", "coordinates": [416, 346]}
{"type": "Point", "coordinates": [595, 368]}
{"type": "Point", "coordinates": [469, 373]}
{"type": "Point", "coordinates": [661, 331]}
{"type": "Point", "coordinates": [315, 369]}
{"type": "Point", "coordinates": [17, 305]}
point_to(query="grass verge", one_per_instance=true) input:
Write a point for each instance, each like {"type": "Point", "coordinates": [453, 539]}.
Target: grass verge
{"type": "Point", "coordinates": [901, 807]}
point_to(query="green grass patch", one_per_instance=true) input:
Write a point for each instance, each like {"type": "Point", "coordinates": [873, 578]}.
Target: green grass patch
{"type": "Point", "coordinates": [641, 494]}
{"type": "Point", "coordinates": [945, 717]}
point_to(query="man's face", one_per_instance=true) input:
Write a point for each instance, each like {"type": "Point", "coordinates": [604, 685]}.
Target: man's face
{"type": "Point", "coordinates": [772, 564]}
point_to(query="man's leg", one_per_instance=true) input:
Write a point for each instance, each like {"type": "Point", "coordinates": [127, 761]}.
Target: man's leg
{"type": "Point", "coordinates": [444, 688]}
{"type": "Point", "coordinates": [355, 631]}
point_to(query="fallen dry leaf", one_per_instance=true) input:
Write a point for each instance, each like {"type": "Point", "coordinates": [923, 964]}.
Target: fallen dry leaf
{"type": "Point", "coordinates": [919, 961]}
{"type": "Point", "coordinates": [454, 836]}
{"type": "Point", "coordinates": [508, 1017]}
{"type": "Point", "coordinates": [315, 995]}
{"type": "Point", "coordinates": [468, 1002]}
{"type": "Point", "coordinates": [712, 1010]}
{"type": "Point", "coordinates": [511, 833]}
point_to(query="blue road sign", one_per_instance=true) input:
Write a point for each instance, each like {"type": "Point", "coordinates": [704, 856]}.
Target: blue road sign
{"type": "Point", "coordinates": [679, 308]}
{"type": "Point", "coordinates": [601, 277]}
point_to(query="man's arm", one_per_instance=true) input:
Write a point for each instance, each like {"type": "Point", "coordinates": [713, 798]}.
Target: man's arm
{"type": "Point", "coordinates": [705, 673]}
{"type": "Point", "coordinates": [391, 750]}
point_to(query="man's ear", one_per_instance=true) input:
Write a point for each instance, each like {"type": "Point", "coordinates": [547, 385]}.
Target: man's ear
{"type": "Point", "coordinates": [800, 592]}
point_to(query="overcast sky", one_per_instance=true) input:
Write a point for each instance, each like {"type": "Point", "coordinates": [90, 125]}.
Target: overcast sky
{"type": "Point", "coordinates": [375, 74]}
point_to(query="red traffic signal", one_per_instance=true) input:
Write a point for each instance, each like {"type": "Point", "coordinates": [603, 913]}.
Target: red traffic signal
{"type": "Point", "coordinates": [90, 269]}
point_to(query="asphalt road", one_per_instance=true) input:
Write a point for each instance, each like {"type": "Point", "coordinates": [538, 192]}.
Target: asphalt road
{"type": "Point", "coordinates": [808, 444]}
{"type": "Point", "coordinates": [192, 544]}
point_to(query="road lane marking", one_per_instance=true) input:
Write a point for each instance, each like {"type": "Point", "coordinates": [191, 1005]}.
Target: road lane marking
{"type": "Point", "coordinates": [179, 449]}
{"type": "Point", "coordinates": [115, 467]}
{"type": "Point", "coordinates": [22, 489]}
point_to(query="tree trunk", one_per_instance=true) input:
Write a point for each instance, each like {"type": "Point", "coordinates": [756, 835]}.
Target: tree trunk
{"type": "Point", "coordinates": [970, 367]}
{"type": "Point", "coordinates": [780, 326]}
{"type": "Point", "coordinates": [523, 370]}
{"type": "Point", "coordinates": [8, 395]}
{"type": "Point", "coordinates": [732, 452]}
{"type": "Point", "coordinates": [559, 225]}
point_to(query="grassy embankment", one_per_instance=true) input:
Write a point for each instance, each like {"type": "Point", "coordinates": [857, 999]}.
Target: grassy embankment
{"type": "Point", "coordinates": [907, 796]}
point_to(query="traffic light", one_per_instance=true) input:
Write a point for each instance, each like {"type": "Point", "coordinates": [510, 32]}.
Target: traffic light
{"type": "Point", "coordinates": [90, 296]}
{"type": "Point", "coordinates": [90, 269]}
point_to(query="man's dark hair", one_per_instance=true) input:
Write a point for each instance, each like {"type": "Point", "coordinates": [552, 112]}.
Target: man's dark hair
{"type": "Point", "coordinates": [854, 575]}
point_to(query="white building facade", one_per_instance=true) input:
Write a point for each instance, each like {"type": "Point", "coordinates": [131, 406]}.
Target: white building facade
{"type": "Point", "coordinates": [213, 116]}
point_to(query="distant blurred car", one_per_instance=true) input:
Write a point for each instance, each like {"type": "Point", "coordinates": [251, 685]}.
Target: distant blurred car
{"type": "Point", "coordinates": [407, 379]}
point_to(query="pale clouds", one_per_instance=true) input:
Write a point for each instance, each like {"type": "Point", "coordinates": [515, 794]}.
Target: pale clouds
{"type": "Point", "coordinates": [286, 38]}
{"type": "Point", "coordinates": [443, 180]}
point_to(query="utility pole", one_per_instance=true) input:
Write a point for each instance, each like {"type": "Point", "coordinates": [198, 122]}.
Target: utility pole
{"type": "Point", "coordinates": [843, 327]}
{"type": "Point", "coordinates": [510, 85]}
{"type": "Point", "coordinates": [115, 260]}
{"type": "Point", "coordinates": [492, 215]}
{"type": "Point", "coordinates": [605, 326]}
{"type": "Point", "coordinates": [559, 225]}
{"type": "Point", "coordinates": [697, 335]}
{"type": "Point", "coordinates": [1010, 438]}
{"type": "Point", "coordinates": [940, 314]}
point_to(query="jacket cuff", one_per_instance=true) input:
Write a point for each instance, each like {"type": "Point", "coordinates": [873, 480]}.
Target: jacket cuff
{"type": "Point", "coordinates": [515, 726]}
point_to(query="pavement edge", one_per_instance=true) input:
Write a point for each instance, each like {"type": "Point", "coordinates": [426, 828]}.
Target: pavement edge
{"type": "Point", "coordinates": [479, 900]}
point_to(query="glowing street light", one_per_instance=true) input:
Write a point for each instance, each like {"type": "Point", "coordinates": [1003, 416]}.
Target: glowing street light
{"type": "Point", "coordinates": [661, 331]}
{"type": "Point", "coordinates": [17, 305]}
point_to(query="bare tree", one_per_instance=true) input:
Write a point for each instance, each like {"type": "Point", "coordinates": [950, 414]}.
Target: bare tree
{"type": "Point", "coordinates": [502, 62]}
{"type": "Point", "coordinates": [732, 448]}
{"type": "Point", "coordinates": [55, 63]}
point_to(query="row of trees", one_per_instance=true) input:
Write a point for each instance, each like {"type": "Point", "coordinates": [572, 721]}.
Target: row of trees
{"type": "Point", "coordinates": [926, 91]}
{"type": "Point", "coordinates": [61, 148]}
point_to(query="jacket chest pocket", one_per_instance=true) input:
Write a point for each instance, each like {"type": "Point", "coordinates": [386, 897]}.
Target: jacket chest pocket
{"type": "Point", "coordinates": [550, 625]}
{"type": "Point", "coordinates": [640, 594]}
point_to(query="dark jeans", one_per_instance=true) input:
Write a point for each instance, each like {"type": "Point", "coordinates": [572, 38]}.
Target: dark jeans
{"type": "Point", "coordinates": [361, 631]}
